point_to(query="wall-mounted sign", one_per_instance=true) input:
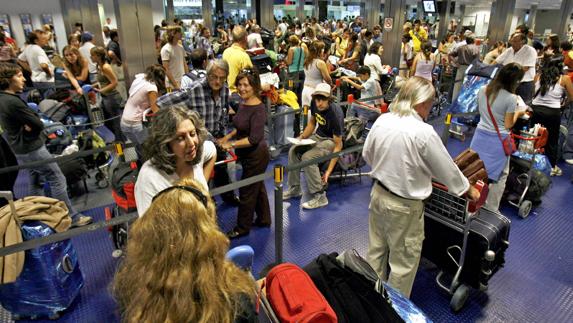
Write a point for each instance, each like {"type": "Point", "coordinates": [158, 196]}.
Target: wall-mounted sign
{"type": "Point", "coordinates": [5, 23]}
{"type": "Point", "coordinates": [388, 23]}
{"type": "Point", "coordinates": [47, 19]}
{"type": "Point", "coordinates": [26, 20]}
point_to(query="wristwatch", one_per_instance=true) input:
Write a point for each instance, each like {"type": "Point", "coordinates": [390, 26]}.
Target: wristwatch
{"type": "Point", "coordinates": [233, 144]}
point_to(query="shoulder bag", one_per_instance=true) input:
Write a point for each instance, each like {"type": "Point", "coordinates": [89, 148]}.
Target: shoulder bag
{"type": "Point", "coordinates": [508, 143]}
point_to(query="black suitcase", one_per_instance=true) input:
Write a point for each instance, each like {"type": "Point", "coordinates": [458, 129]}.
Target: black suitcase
{"type": "Point", "coordinates": [262, 63]}
{"type": "Point", "coordinates": [445, 224]}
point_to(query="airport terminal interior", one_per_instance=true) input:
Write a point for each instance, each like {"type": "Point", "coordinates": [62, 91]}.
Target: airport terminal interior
{"type": "Point", "coordinates": [364, 53]}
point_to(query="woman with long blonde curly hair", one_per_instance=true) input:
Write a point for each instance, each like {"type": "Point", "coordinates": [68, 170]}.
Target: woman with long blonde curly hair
{"type": "Point", "coordinates": [175, 268]}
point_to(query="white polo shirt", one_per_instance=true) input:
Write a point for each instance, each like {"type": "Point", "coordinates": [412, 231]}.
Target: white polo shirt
{"type": "Point", "coordinates": [526, 56]}
{"type": "Point", "coordinates": [405, 153]}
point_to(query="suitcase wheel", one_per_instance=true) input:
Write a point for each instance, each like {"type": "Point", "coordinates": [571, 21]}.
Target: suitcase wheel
{"type": "Point", "coordinates": [460, 297]}
{"type": "Point", "coordinates": [524, 209]}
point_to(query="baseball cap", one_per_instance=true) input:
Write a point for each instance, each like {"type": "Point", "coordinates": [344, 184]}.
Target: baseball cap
{"type": "Point", "coordinates": [87, 36]}
{"type": "Point", "coordinates": [322, 89]}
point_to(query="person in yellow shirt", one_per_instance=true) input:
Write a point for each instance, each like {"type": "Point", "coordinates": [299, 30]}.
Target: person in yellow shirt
{"type": "Point", "coordinates": [236, 56]}
{"type": "Point", "coordinates": [419, 35]}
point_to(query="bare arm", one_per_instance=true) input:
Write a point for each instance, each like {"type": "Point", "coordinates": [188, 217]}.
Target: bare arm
{"type": "Point", "coordinates": [208, 166]}
{"type": "Point", "coordinates": [309, 128]}
{"type": "Point", "coordinates": [290, 56]}
{"type": "Point", "coordinates": [568, 85]}
{"type": "Point", "coordinates": [321, 65]}
{"type": "Point", "coordinates": [413, 68]}
{"type": "Point", "coordinates": [332, 163]}
{"type": "Point", "coordinates": [152, 97]}
{"type": "Point", "coordinates": [46, 69]}
{"type": "Point", "coordinates": [70, 76]}
{"type": "Point", "coordinates": [84, 74]}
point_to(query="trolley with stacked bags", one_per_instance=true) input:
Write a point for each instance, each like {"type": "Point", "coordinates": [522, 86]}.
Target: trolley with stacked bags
{"type": "Point", "coordinates": [529, 169]}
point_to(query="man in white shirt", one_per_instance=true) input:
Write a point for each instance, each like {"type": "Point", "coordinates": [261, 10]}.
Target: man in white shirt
{"type": "Point", "coordinates": [173, 58]}
{"type": "Point", "coordinates": [526, 56]}
{"type": "Point", "coordinates": [38, 62]}
{"type": "Point", "coordinates": [254, 39]}
{"type": "Point", "coordinates": [85, 49]}
{"type": "Point", "coordinates": [405, 154]}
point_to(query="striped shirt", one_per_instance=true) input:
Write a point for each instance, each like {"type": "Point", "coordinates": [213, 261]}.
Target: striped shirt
{"type": "Point", "coordinates": [199, 97]}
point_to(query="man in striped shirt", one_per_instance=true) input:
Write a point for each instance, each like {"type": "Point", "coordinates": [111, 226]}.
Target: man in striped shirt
{"type": "Point", "coordinates": [210, 98]}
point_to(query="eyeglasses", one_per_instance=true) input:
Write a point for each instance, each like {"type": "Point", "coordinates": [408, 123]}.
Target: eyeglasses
{"type": "Point", "coordinates": [213, 77]}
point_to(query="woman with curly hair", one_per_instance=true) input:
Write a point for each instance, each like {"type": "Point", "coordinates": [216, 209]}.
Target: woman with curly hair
{"type": "Point", "coordinates": [175, 149]}
{"type": "Point", "coordinates": [175, 268]}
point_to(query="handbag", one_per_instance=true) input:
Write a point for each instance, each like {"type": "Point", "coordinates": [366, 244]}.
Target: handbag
{"type": "Point", "coordinates": [508, 143]}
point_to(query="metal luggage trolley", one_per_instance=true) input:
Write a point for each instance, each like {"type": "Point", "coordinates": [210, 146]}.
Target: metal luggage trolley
{"type": "Point", "coordinates": [452, 211]}
{"type": "Point", "coordinates": [523, 161]}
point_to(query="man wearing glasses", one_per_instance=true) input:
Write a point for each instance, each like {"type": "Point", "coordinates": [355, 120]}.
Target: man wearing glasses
{"type": "Point", "coordinates": [210, 98]}
{"type": "Point", "coordinates": [327, 118]}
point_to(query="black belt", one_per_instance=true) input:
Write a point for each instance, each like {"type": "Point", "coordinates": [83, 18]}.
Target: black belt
{"type": "Point", "coordinates": [388, 190]}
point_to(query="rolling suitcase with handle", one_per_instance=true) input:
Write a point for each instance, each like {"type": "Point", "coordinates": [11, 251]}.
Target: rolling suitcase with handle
{"type": "Point", "coordinates": [50, 279]}
{"type": "Point", "coordinates": [470, 246]}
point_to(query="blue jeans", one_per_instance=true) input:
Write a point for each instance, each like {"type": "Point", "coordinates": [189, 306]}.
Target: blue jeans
{"type": "Point", "coordinates": [136, 133]}
{"type": "Point", "coordinates": [51, 173]}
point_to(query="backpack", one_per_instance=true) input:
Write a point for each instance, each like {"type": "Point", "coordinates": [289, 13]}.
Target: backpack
{"type": "Point", "coordinates": [58, 137]}
{"type": "Point", "coordinates": [75, 171]}
{"type": "Point", "coordinates": [353, 296]}
{"type": "Point", "coordinates": [57, 111]}
{"type": "Point", "coordinates": [295, 298]}
{"type": "Point", "coordinates": [123, 181]}
{"type": "Point", "coordinates": [88, 140]}
{"type": "Point", "coordinates": [353, 130]}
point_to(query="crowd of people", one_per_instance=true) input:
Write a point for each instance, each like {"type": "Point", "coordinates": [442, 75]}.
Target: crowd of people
{"type": "Point", "coordinates": [206, 97]}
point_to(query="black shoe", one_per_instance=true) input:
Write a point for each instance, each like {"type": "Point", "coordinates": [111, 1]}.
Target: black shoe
{"type": "Point", "coordinates": [261, 224]}
{"type": "Point", "coordinates": [233, 234]}
{"type": "Point", "coordinates": [232, 201]}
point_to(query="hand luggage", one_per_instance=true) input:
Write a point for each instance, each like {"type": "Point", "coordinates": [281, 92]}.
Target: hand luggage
{"type": "Point", "coordinates": [404, 307]}
{"type": "Point", "coordinates": [488, 238]}
{"type": "Point", "coordinates": [50, 280]}
{"type": "Point", "coordinates": [283, 126]}
{"type": "Point", "coordinates": [58, 136]}
{"type": "Point", "coordinates": [262, 63]}
{"type": "Point", "coordinates": [294, 297]}
{"type": "Point", "coordinates": [352, 296]}
{"type": "Point", "coordinates": [57, 111]}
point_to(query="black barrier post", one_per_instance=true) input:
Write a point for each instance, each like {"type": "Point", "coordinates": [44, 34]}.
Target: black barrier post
{"type": "Point", "coordinates": [279, 173]}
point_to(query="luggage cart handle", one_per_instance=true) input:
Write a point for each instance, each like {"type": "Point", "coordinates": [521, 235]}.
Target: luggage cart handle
{"type": "Point", "coordinates": [232, 158]}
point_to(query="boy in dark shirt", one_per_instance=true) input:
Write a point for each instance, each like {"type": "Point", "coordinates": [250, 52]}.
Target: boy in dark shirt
{"type": "Point", "coordinates": [25, 134]}
{"type": "Point", "coordinates": [328, 120]}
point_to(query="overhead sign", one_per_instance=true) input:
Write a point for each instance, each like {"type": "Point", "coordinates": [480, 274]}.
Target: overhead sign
{"type": "Point", "coordinates": [388, 23]}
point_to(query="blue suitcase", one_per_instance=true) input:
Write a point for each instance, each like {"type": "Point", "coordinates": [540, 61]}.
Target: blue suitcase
{"type": "Point", "coordinates": [50, 281]}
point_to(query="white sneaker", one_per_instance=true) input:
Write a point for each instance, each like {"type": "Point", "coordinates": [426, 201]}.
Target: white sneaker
{"type": "Point", "coordinates": [290, 193]}
{"type": "Point", "coordinates": [319, 200]}
{"type": "Point", "coordinates": [556, 171]}
{"type": "Point", "coordinates": [569, 161]}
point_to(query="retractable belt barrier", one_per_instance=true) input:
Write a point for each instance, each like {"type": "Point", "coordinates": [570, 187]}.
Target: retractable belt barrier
{"type": "Point", "coordinates": [85, 153]}
{"type": "Point", "coordinates": [31, 244]}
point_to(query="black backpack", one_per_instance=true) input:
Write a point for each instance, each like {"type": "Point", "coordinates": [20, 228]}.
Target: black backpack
{"type": "Point", "coordinates": [352, 296]}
